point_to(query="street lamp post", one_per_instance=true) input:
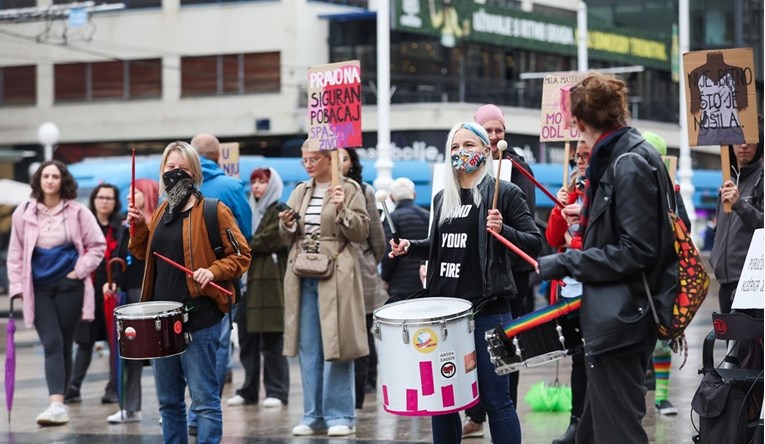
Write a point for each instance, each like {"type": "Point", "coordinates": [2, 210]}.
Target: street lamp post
{"type": "Point", "coordinates": [47, 135]}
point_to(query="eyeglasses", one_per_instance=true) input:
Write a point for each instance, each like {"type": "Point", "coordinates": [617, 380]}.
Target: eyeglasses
{"type": "Point", "coordinates": [310, 160]}
{"type": "Point", "coordinates": [583, 157]}
{"type": "Point", "coordinates": [106, 198]}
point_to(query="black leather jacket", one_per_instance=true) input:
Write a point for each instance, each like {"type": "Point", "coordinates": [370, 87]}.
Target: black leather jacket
{"type": "Point", "coordinates": [628, 234]}
{"type": "Point", "coordinates": [518, 227]}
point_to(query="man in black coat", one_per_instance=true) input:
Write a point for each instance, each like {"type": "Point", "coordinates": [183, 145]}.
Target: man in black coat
{"type": "Point", "coordinates": [402, 275]}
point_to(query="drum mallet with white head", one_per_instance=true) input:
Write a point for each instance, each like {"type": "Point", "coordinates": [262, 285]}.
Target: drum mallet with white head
{"type": "Point", "coordinates": [381, 197]}
{"type": "Point", "coordinates": [501, 146]}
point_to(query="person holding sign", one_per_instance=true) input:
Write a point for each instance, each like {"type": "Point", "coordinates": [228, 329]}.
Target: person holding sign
{"type": "Point", "coordinates": [465, 262]}
{"type": "Point", "coordinates": [324, 318]}
{"type": "Point", "coordinates": [744, 192]}
{"type": "Point", "coordinates": [627, 244]}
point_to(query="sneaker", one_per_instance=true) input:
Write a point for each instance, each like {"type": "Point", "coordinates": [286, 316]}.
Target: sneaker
{"type": "Point", "coordinates": [56, 414]}
{"type": "Point", "coordinates": [124, 416]}
{"type": "Point", "coordinates": [341, 430]}
{"type": "Point", "coordinates": [272, 402]}
{"type": "Point", "coordinates": [666, 408]}
{"type": "Point", "coordinates": [305, 430]}
{"type": "Point", "coordinates": [236, 400]}
{"type": "Point", "coordinates": [72, 395]}
{"type": "Point", "coordinates": [472, 429]}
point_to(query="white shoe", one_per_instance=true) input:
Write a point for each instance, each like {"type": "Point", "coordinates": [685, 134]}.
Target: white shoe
{"type": "Point", "coordinates": [235, 400]}
{"type": "Point", "coordinates": [341, 430]}
{"type": "Point", "coordinates": [272, 402]}
{"type": "Point", "coordinates": [124, 416]}
{"type": "Point", "coordinates": [304, 430]}
{"type": "Point", "coordinates": [56, 414]}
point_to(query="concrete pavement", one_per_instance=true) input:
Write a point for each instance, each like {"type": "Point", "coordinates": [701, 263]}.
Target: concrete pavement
{"type": "Point", "coordinates": [255, 424]}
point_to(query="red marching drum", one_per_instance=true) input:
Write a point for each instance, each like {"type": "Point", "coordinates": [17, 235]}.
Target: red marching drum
{"type": "Point", "coordinates": [151, 330]}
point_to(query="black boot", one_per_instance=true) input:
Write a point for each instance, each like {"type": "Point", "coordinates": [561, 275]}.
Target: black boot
{"type": "Point", "coordinates": [569, 436]}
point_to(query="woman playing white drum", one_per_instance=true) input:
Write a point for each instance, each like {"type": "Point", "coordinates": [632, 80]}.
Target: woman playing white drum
{"type": "Point", "coordinates": [464, 261]}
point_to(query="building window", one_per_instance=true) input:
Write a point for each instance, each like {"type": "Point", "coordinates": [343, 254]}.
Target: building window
{"type": "Point", "coordinates": [129, 4]}
{"type": "Point", "coordinates": [231, 74]}
{"type": "Point", "coordinates": [122, 80]}
{"type": "Point", "coordinates": [19, 85]}
{"type": "Point", "coordinates": [13, 4]}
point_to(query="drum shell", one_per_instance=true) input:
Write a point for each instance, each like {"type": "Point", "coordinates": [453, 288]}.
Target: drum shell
{"type": "Point", "coordinates": [434, 373]}
{"type": "Point", "coordinates": [151, 330]}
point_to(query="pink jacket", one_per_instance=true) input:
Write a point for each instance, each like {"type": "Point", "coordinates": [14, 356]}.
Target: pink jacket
{"type": "Point", "coordinates": [86, 235]}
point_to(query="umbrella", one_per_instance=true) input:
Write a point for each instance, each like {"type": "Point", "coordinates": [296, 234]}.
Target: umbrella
{"type": "Point", "coordinates": [554, 397]}
{"type": "Point", "coordinates": [13, 192]}
{"type": "Point", "coordinates": [112, 301]}
{"type": "Point", "coordinates": [10, 362]}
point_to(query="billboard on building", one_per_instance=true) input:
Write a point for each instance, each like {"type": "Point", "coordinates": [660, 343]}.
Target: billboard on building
{"type": "Point", "coordinates": [720, 97]}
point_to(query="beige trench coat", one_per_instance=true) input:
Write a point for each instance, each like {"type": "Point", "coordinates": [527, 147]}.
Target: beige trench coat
{"type": "Point", "coordinates": [341, 297]}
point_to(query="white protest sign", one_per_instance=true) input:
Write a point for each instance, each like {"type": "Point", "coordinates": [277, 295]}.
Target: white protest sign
{"type": "Point", "coordinates": [750, 291]}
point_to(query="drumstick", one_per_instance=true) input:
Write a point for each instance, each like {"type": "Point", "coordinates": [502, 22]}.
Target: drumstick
{"type": "Point", "coordinates": [132, 194]}
{"type": "Point", "coordinates": [501, 146]}
{"type": "Point", "coordinates": [189, 272]}
{"type": "Point", "coordinates": [514, 248]}
{"type": "Point", "coordinates": [539, 185]}
{"type": "Point", "coordinates": [381, 196]}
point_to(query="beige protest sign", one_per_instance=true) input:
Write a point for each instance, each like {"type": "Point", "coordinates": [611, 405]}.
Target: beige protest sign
{"type": "Point", "coordinates": [556, 111]}
{"type": "Point", "coordinates": [229, 158]}
{"type": "Point", "coordinates": [721, 101]}
{"type": "Point", "coordinates": [334, 106]}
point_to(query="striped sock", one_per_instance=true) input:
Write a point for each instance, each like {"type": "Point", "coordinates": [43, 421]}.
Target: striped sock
{"type": "Point", "coordinates": [662, 362]}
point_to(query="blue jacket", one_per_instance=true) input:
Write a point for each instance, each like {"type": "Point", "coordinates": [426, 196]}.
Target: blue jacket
{"type": "Point", "coordinates": [230, 191]}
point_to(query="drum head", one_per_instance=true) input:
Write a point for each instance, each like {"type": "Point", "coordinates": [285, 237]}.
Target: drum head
{"type": "Point", "coordinates": [143, 310]}
{"type": "Point", "coordinates": [423, 309]}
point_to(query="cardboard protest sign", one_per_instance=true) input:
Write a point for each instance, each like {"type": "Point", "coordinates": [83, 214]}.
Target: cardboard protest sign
{"type": "Point", "coordinates": [229, 158]}
{"type": "Point", "coordinates": [556, 108]}
{"type": "Point", "coordinates": [721, 102]}
{"type": "Point", "coordinates": [750, 291]}
{"type": "Point", "coordinates": [334, 106]}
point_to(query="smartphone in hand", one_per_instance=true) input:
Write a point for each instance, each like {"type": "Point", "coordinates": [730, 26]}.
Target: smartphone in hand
{"type": "Point", "coordinates": [281, 206]}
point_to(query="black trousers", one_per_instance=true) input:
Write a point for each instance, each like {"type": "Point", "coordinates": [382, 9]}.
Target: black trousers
{"type": "Point", "coordinates": [58, 307]}
{"type": "Point", "coordinates": [615, 403]}
{"type": "Point", "coordinates": [725, 296]}
{"type": "Point", "coordinates": [276, 373]}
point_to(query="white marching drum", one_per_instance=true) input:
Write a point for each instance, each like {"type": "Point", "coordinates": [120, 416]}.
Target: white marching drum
{"type": "Point", "coordinates": [426, 349]}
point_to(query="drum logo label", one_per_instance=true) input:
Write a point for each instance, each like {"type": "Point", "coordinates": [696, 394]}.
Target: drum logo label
{"type": "Point", "coordinates": [425, 340]}
{"type": "Point", "coordinates": [177, 327]}
{"type": "Point", "coordinates": [448, 362]}
{"type": "Point", "coordinates": [130, 333]}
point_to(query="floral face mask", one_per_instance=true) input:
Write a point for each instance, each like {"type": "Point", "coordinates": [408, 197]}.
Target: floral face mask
{"type": "Point", "coordinates": [468, 161]}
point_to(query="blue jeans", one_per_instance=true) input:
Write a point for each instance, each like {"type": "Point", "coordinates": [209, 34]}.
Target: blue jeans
{"type": "Point", "coordinates": [195, 367]}
{"type": "Point", "coordinates": [222, 357]}
{"type": "Point", "coordinates": [493, 391]}
{"type": "Point", "coordinates": [328, 387]}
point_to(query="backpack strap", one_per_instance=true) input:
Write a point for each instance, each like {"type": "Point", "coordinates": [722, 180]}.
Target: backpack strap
{"type": "Point", "coordinates": [210, 212]}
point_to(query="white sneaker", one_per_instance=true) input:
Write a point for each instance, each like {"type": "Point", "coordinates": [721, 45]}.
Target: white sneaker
{"type": "Point", "coordinates": [341, 430]}
{"type": "Point", "coordinates": [56, 414]}
{"type": "Point", "coordinates": [124, 416]}
{"type": "Point", "coordinates": [272, 402]}
{"type": "Point", "coordinates": [235, 400]}
{"type": "Point", "coordinates": [304, 430]}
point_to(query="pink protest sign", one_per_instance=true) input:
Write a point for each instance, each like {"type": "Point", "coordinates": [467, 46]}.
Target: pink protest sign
{"type": "Point", "coordinates": [556, 108]}
{"type": "Point", "coordinates": [334, 106]}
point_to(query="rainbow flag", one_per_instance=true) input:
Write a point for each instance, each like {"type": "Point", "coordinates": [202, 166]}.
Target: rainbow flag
{"type": "Point", "coordinates": [563, 307]}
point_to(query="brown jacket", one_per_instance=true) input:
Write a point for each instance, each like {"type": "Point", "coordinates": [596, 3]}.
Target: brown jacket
{"type": "Point", "coordinates": [341, 297]}
{"type": "Point", "coordinates": [198, 252]}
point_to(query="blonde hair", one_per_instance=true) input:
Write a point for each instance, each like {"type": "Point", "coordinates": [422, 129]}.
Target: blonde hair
{"type": "Point", "coordinates": [190, 155]}
{"type": "Point", "coordinates": [451, 200]}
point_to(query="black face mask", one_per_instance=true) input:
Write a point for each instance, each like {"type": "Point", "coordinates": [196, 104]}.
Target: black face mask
{"type": "Point", "coordinates": [179, 186]}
